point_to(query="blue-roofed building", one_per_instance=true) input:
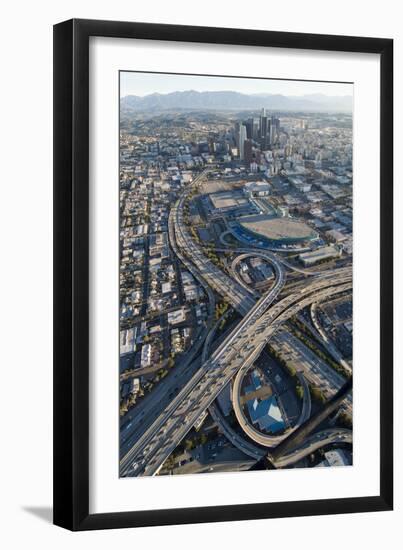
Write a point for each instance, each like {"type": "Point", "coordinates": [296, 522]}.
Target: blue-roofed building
{"type": "Point", "coordinates": [266, 414]}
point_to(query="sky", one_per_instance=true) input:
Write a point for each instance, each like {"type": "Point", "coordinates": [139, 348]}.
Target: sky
{"type": "Point", "coordinates": [141, 84]}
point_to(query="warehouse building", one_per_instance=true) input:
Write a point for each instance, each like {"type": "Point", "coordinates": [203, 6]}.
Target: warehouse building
{"type": "Point", "coordinates": [324, 253]}
{"type": "Point", "coordinates": [257, 189]}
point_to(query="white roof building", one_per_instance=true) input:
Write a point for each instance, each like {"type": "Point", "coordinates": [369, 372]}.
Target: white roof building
{"type": "Point", "coordinates": [146, 355]}
{"type": "Point", "coordinates": [318, 255]}
{"type": "Point", "coordinates": [335, 457]}
{"type": "Point", "coordinates": [128, 341]}
{"type": "Point", "coordinates": [166, 288]}
{"type": "Point", "coordinates": [177, 316]}
{"type": "Point", "coordinates": [257, 188]}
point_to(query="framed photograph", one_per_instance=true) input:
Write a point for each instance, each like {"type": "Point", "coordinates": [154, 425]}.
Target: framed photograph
{"type": "Point", "coordinates": [222, 267]}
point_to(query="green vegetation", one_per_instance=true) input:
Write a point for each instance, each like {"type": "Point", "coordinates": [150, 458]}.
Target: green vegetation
{"type": "Point", "coordinates": [160, 375]}
{"type": "Point", "coordinates": [303, 334]}
{"type": "Point", "coordinates": [317, 394]}
{"type": "Point", "coordinates": [220, 309]}
{"type": "Point", "coordinates": [223, 323]}
{"type": "Point", "coordinates": [194, 234]}
{"type": "Point", "coordinates": [345, 420]}
{"type": "Point", "coordinates": [195, 441]}
{"type": "Point", "coordinates": [190, 444]}
{"type": "Point", "coordinates": [195, 191]}
{"type": "Point", "coordinates": [212, 256]}
{"type": "Point", "coordinates": [291, 370]}
{"type": "Point", "coordinates": [299, 390]}
{"type": "Point", "coordinates": [127, 404]}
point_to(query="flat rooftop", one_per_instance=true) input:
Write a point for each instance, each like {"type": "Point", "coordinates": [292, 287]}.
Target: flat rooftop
{"type": "Point", "coordinates": [277, 229]}
{"type": "Point", "coordinates": [227, 199]}
{"type": "Point", "coordinates": [319, 253]}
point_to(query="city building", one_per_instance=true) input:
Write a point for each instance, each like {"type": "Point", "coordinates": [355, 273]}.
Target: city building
{"type": "Point", "coordinates": [230, 202]}
{"type": "Point", "coordinates": [281, 231]}
{"type": "Point", "coordinates": [176, 317]}
{"type": "Point", "coordinates": [242, 139]}
{"type": "Point", "coordinates": [335, 457]}
{"type": "Point", "coordinates": [320, 254]}
{"type": "Point", "coordinates": [257, 189]}
{"type": "Point", "coordinates": [248, 151]}
{"type": "Point", "coordinates": [146, 355]}
{"type": "Point", "coordinates": [128, 341]}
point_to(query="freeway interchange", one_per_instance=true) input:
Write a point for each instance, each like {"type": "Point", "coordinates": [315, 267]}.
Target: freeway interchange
{"type": "Point", "coordinates": [145, 450]}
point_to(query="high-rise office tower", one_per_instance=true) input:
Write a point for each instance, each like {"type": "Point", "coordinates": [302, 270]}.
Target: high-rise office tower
{"type": "Point", "coordinates": [248, 151]}
{"type": "Point", "coordinates": [236, 133]}
{"type": "Point", "coordinates": [242, 138]}
{"type": "Point", "coordinates": [255, 132]}
{"type": "Point", "coordinates": [274, 129]}
{"type": "Point", "coordinates": [263, 124]}
{"type": "Point", "coordinates": [268, 140]}
{"type": "Point", "coordinates": [249, 128]}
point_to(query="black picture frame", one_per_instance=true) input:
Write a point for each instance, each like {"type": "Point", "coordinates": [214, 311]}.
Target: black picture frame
{"type": "Point", "coordinates": [71, 274]}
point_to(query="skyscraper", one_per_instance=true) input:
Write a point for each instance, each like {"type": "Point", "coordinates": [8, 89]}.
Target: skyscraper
{"type": "Point", "coordinates": [236, 133]}
{"type": "Point", "coordinates": [248, 152]}
{"type": "Point", "coordinates": [274, 129]}
{"type": "Point", "coordinates": [249, 128]}
{"type": "Point", "coordinates": [263, 124]}
{"type": "Point", "coordinates": [242, 138]}
{"type": "Point", "coordinates": [255, 133]}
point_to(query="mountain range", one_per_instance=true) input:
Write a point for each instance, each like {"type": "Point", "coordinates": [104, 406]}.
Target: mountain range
{"type": "Point", "coordinates": [229, 100]}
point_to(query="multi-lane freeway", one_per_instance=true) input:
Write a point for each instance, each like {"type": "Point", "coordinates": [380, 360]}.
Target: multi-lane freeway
{"type": "Point", "coordinates": [203, 268]}
{"type": "Point", "coordinates": [327, 343]}
{"type": "Point", "coordinates": [241, 347]}
{"type": "Point", "coordinates": [145, 454]}
{"type": "Point", "coordinates": [319, 373]}
{"type": "Point", "coordinates": [232, 435]}
{"type": "Point", "coordinates": [210, 276]}
{"type": "Point", "coordinates": [313, 443]}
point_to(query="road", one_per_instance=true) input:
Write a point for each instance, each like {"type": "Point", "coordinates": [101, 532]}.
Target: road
{"type": "Point", "coordinates": [203, 268]}
{"type": "Point", "coordinates": [327, 343]}
{"type": "Point", "coordinates": [233, 436]}
{"type": "Point", "coordinates": [242, 346]}
{"type": "Point", "coordinates": [203, 271]}
{"type": "Point", "coordinates": [253, 252]}
{"type": "Point", "coordinates": [315, 370]}
{"type": "Point", "coordinates": [267, 440]}
{"type": "Point", "coordinates": [313, 443]}
{"type": "Point", "coordinates": [140, 418]}
{"type": "Point", "coordinates": [146, 454]}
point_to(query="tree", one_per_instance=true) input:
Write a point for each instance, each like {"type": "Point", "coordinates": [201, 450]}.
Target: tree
{"type": "Point", "coordinates": [299, 391]}
{"type": "Point", "coordinates": [291, 370]}
{"type": "Point", "coordinates": [317, 394]}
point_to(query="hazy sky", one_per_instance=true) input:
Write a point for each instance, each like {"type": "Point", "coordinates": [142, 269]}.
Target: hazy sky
{"type": "Point", "coordinates": [141, 84]}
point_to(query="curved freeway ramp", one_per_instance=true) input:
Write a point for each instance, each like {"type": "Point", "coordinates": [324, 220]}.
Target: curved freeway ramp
{"type": "Point", "coordinates": [271, 256]}
{"type": "Point", "coordinates": [267, 440]}
{"type": "Point", "coordinates": [313, 443]}
{"type": "Point", "coordinates": [242, 346]}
